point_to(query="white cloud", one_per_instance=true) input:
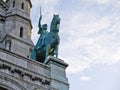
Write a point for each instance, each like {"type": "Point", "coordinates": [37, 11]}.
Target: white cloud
{"type": "Point", "coordinates": [76, 65]}
{"type": "Point", "coordinates": [85, 38]}
{"type": "Point", "coordinates": [116, 3]}
{"type": "Point", "coordinates": [44, 2]}
{"type": "Point", "coordinates": [100, 1]}
{"type": "Point", "coordinates": [95, 42]}
{"type": "Point", "coordinates": [85, 78]}
{"type": "Point", "coordinates": [103, 1]}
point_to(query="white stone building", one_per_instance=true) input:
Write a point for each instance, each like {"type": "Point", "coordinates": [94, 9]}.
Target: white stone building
{"type": "Point", "coordinates": [17, 71]}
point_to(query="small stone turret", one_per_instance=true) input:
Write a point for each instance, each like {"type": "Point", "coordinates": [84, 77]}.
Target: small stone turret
{"type": "Point", "coordinates": [20, 6]}
{"type": "Point", "coordinates": [17, 27]}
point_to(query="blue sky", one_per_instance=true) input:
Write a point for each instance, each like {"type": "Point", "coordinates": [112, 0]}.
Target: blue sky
{"type": "Point", "coordinates": [90, 40]}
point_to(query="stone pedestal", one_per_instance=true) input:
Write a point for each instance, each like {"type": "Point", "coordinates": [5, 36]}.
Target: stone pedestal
{"type": "Point", "coordinates": [20, 73]}
{"type": "Point", "coordinates": [57, 73]}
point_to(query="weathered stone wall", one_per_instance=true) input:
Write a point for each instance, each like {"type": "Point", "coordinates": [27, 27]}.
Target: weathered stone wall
{"type": "Point", "coordinates": [21, 73]}
{"type": "Point", "coordinates": [1, 30]}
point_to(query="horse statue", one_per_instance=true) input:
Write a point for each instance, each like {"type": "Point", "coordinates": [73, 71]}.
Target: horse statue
{"type": "Point", "coordinates": [48, 43]}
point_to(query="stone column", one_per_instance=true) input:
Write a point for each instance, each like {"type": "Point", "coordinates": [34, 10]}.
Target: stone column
{"type": "Point", "coordinates": [57, 73]}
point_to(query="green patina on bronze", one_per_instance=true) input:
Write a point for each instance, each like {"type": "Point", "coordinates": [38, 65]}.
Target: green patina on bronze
{"type": "Point", "coordinates": [48, 41]}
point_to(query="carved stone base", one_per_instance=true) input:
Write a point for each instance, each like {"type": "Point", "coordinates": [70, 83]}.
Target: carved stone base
{"type": "Point", "coordinates": [58, 74]}
{"type": "Point", "coordinates": [20, 73]}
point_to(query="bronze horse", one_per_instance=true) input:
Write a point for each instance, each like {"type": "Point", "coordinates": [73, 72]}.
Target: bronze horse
{"type": "Point", "coordinates": [50, 42]}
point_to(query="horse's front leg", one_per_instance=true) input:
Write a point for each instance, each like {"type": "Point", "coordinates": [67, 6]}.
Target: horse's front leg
{"type": "Point", "coordinates": [56, 51]}
{"type": "Point", "coordinates": [47, 52]}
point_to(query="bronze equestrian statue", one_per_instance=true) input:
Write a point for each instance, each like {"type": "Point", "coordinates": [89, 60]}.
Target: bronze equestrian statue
{"type": "Point", "coordinates": [48, 41]}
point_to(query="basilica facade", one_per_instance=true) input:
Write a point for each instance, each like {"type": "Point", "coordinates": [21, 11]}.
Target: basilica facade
{"type": "Point", "coordinates": [17, 70]}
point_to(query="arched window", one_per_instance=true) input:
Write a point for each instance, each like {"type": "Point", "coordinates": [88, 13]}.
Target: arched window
{"type": "Point", "coordinates": [22, 6]}
{"type": "Point", "coordinates": [8, 45]}
{"type": "Point", "coordinates": [21, 31]}
{"type": "Point", "coordinates": [13, 3]}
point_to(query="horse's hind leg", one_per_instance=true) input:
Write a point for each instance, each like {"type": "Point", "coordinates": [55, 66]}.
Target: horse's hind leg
{"type": "Point", "coordinates": [56, 51]}
{"type": "Point", "coordinates": [33, 54]}
{"type": "Point", "coordinates": [47, 53]}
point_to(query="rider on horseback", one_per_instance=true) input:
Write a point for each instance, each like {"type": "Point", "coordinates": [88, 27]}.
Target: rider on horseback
{"type": "Point", "coordinates": [48, 42]}
{"type": "Point", "coordinates": [43, 32]}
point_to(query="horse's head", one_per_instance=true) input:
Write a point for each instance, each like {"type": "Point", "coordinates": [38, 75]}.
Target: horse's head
{"type": "Point", "coordinates": [55, 24]}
